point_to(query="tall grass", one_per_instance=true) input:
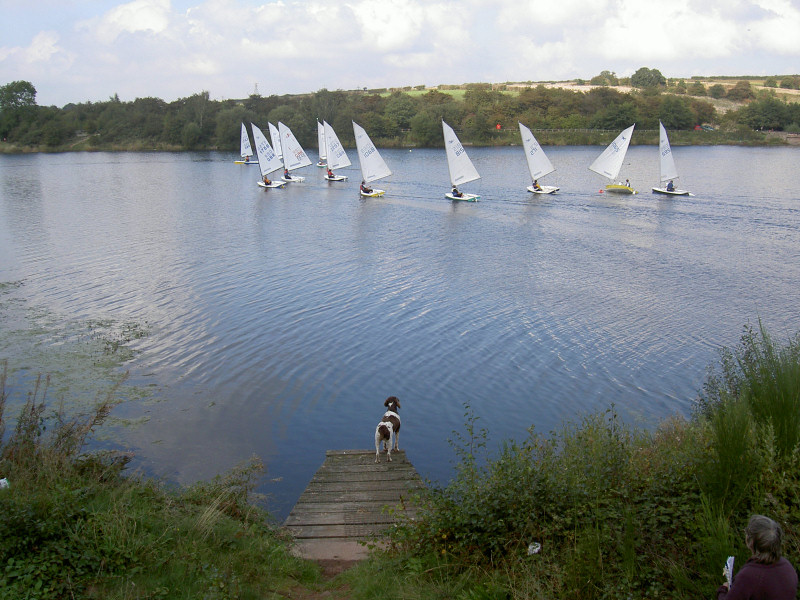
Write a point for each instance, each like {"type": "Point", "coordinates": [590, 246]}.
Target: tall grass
{"type": "Point", "coordinates": [622, 511]}
{"type": "Point", "coordinates": [72, 526]}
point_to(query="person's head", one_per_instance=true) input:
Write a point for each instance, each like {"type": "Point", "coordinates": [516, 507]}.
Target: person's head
{"type": "Point", "coordinates": [764, 537]}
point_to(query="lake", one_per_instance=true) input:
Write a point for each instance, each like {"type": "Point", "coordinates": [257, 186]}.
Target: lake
{"type": "Point", "coordinates": [278, 321]}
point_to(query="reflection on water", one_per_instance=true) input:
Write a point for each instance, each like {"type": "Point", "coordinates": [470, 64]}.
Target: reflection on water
{"type": "Point", "coordinates": [280, 320]}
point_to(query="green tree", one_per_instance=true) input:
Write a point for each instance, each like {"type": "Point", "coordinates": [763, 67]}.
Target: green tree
{"type": "Point", "coordinates": [605, 78]}
{"type": "Point", "coordinates": [401, 108]}
{"type": "Point", "coordinates": [771, 82]}
{"type": "Point", "coordinates": [16, 95]}
{"type": "Point", "coordinates": [697, 89]}
{"type": "Point", "coordinates": [768, 112]}
{"type": "Point", "coordinates": [647, 78]}
{"type": "Point", "coordinates": [741, 91]}
{"type": "Point", "coordinates": [717, 91]}
{"type": "Point", "coordinates": [426, 128]}
{"type": "Point", "coordinates": [190, 135]}
{"type": "Point", "coordinates": [675, 113]}
{"type": "Point", "coordinates": [17, 105]}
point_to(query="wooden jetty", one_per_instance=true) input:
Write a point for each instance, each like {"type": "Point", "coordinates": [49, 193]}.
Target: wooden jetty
{"type": "Point", "coordinates": [345, 504]}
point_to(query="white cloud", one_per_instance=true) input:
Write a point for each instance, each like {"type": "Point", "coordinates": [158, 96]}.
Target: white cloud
{"type": "Point", "coordinates": [294, 46]}
{"type": "Point", "coordinates": [151, 16]}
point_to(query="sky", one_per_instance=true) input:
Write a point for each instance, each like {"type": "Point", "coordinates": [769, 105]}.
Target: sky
{"type": "Point", "coordinates": [75, 51]}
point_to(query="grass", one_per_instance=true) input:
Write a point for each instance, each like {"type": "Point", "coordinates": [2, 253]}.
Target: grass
{"type": "Point", "coordinates": [619, 511]}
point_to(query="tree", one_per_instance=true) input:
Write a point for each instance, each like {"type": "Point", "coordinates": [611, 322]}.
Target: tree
{"type": "Point", "coordinates": [740, 92]}
{"type": "Point", "coordinates": [647, 78]}
{"type": "Point", "coordinates": [605, 78]}
{"type": "Point", "coordinates": [17, 95]}
{"type": "Point", "coordinates": [675, 113]}
{"type": "Point", "coordinates": [401, 108]}
{"type": "Point", "coordinates": [697, 89]}
{"type": "Point", "coordinates": [771, 82]}
{"type": "Point", "coordinates": [717, 90]}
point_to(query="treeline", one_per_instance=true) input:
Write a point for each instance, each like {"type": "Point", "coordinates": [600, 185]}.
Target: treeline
{"type": "Point", "coordinates": [395, 118]}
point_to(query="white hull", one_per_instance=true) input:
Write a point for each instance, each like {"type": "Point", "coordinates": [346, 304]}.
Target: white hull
{"type": "Point", "coordinates": [336, 178]}
{"type": "Point", "coordinates": [674, 192]}
{"type": "Point", "coordinates": [274, 184]}
{"type": "Point", "coordinates": [373, 194]}
{"type": "Point", "coordinates": [293, 179]}
{"type": "Point", "coordinates": [246, 162]}
{"type": "Point", "coordinates": [463, 197]}
{"type": "Point", "coordinates": [545, 189]}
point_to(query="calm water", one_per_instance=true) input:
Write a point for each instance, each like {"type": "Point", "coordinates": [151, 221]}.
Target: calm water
{"type": "Point", "coordinates": [280, 320]}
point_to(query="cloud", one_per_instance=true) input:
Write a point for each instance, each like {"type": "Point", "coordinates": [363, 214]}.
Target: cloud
{"type": "Point", "coordinates": [295, 46]}
{"type": "Point", "coordinates": [150, 16]}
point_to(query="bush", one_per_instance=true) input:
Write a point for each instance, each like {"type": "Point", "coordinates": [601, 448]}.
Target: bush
{"type": "Point", "coordinates": [622, 511]}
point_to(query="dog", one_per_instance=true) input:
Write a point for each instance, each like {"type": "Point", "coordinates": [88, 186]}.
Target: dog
{"type": "Point", "coordinates": [388, 430]}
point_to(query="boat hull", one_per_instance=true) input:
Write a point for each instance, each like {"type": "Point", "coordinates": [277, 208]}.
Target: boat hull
{"type": "Point", "coordinates": [245, 162]}
{"type": "Point", "coordinates": [274, 184]}
{"type": "Point", "coordinates": [336, 178]}
{"type": "Point", "coordinates": [671, 193]}
{"type": "Point", "coordinates": [463, 197]}
{"type": "Point", "coordinates": [618, 188]}
{"type": "Point", "coordinates": [545, 189]}
{"type": "Point", "coordinates": [373, 194]}
{"type": "Point", "coordinates": [293, 179]}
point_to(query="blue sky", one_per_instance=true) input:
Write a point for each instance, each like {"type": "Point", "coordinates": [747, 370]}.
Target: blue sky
{"type": "Point", "coordinates": [79, 50]}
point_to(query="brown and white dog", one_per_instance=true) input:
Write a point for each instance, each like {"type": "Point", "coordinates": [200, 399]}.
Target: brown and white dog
{"type": "Point", "coordinates": [388, 430]}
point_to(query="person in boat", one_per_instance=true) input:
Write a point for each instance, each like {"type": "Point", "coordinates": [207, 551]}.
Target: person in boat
{"type": "Point", "coordinates": [766, 574]}
{"type": "Point", "coordinates": [536, 185]}
{"type": "Point", "coordinates": [456, 193]}
{"type": "Point", "coordinates": [286, 174]}
{"type": "Point", "coordinates": [330, 173]}
{"type": "Point", "coordinates": [670, 186]}
{"type": "Point", "coordinates": [267, 180]}
{"type": "Point", "coordinates": [365, 188]}
{"type": "Point", "coordinates": [628, 182]}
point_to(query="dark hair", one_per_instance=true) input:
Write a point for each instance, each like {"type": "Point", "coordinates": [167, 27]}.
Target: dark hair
{"type": "Point", "coordinates": [765, 538]}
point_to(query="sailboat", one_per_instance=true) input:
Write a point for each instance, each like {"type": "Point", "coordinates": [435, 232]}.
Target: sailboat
{"type": "Point", "coordinates": [336, 155]}
{"type": "Point", "coordinates": [667, 166]}
{"type": "Point", "coordinates": [294, 156]}
{"type": "Point", "coordinates": [268, 161]}
{"type": "Point", "coordinates": [246, 149]}
{"type": "Point", "coordinates": [373, 167]}
{"type": "Point", "coordinates": [276, 140]}
{"type": "Point", "coordinates": [609, 163]}
{"type": "Point", "coordinates": [323, 154]}
{"type": "Point", "coordinates": [538, 164]}
{"type": "Point", "coordinates": [460, 166]}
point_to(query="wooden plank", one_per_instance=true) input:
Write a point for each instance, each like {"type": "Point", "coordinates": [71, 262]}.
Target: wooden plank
{"type": "Point", "coordinates": [350, 500]}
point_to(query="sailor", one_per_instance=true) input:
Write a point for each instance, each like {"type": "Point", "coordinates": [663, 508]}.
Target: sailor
{"type": "Point", "coordinates": [267, 181]}
{"type": "Point", "coordinates": [456, 193]}
{"type": "Point", "coordinates": [330, 173]}
{"type": "Point", "coordinates": [670, 186]}
{"type": "Point", "coordinates": [536, 185]}
{"type": "Point", "coordinates": [628, 182]}
{"type": "Point", "coordinates": [286, 174]}
{"type": "Point", "coordinates": [364, 188]}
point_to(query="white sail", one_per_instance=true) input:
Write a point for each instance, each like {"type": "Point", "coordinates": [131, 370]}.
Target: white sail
{"type": "Point", "coordinates": [336, 155]}
{"type": "Point", "coordinates": [323, 153]}
{"type": "Point", "coordinates": [668, 170]}
{"type": "Point", "coordinates": [276, 140]}
{"type": "Point", "coordinates": [460, 166]}
{"type": "Point", "coordinates": [609, 163]}
{"type": "Point", "coordinates": [538, 164]}
{"type": "Point", "coordinates": [294, 156]}
{"type": "Point", "coordinates": [268, 161]}
{"type": "Point", "coordinates": [246, 149]}
{"type": "Point", "coordinates": [373, 167]}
